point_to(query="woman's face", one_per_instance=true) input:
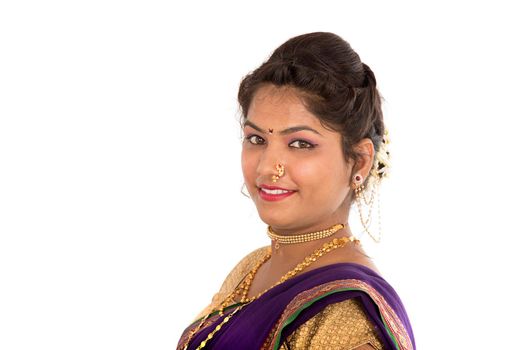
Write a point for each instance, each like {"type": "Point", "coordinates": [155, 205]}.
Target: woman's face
{"type": "Point", "coordinates": [314, 166]}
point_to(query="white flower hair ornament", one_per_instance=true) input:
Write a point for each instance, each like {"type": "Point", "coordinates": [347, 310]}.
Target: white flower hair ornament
{"type": "Point", "coordinates": [382, 164]}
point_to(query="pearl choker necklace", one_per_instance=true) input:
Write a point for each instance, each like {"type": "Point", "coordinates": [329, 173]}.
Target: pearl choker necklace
{"type": "Point", "coordinates": [305, 237]}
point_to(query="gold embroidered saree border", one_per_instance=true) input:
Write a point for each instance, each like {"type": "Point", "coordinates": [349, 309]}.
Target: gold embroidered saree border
{"type": "Point", "coordinates": [389, 317]}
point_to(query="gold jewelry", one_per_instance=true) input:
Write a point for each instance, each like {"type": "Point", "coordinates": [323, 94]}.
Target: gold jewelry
{"type": "Point", "coordinates": [246, 284]}
{"type": "Point", "coordinates": [241, 288]}
{"type": "Point", "coordinates": [361, 196]}
{"type": "Point", "coordinates": [217, 328]}
{"type": "Point", "coordinates": [280, 172]}
{"type": "Point", "coordinates": [302, 238]}
{"type": "Point", "coordinates": [326, 248]}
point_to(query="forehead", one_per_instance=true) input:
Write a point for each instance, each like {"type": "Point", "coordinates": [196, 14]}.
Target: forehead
{"type": "Point", "coordinates": [280, 106]}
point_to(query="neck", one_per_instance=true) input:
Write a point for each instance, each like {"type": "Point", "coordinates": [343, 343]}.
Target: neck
{"type": "Point", "coordinates": [288, 254]}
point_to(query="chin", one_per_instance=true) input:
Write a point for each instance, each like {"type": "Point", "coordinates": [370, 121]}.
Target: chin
{"type": "Point", "coordinates": [275, 219]}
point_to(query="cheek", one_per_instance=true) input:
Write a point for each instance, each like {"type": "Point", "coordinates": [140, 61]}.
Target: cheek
{"type": "Point", "coordinates": [311, 172]}
{"type": "Point", "coordinates": [304, 173]}
{"type": "Point", "coordinates": [324, 174]}
{"type": "Point", "coordinates": [249, 164]}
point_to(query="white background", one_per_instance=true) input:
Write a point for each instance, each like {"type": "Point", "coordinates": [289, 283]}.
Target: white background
{"type": "Point", "coordinates": [120, 204]}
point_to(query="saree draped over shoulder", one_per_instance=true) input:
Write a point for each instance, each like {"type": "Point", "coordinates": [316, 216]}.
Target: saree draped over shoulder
{"type": "Point", "coordinates": [309, 312]}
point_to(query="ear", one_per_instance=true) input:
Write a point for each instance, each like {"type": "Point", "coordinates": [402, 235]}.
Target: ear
{"type": "Point", "coordinates": [366, 153]}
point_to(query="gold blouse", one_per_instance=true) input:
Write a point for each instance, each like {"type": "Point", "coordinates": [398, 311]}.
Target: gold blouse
{"type": "Point", "coordinates": [343, 325]}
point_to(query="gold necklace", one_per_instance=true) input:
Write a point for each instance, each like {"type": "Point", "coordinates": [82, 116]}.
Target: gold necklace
{"type": "Point", "coordinates": [302, 238]}
{"type": "Point", "coordinates": [243, 288]}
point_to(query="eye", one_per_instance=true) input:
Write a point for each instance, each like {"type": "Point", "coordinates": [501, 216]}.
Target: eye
{"type": "Point", "coordinates": [301, 144]}
{"type": "Point", "coordinates": [254, 139]}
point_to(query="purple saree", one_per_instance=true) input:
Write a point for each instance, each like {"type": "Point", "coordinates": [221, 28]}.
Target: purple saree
{"type": "Point", "coordinates": [267, 321]}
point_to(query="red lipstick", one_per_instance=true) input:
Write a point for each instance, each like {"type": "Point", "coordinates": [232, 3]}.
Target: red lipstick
{"type": "Point", "coordinates": [274, 196]}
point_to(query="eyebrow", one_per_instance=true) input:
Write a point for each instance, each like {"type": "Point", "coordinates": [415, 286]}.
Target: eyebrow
{"type": "Point", "coordinates": [282, 132]}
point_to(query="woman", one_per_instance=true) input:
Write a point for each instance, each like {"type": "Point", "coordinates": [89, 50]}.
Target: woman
{"type": "Point", "coordinates": [314, 143]}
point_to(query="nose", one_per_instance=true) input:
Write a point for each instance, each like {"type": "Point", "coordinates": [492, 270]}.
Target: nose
{"type": "Point", "coordinates": [271, 163]}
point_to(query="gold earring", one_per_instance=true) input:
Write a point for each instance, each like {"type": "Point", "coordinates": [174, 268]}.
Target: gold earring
{"type": "Point", "coordinates": [280, 172]}
{"type": "Point", "coordinates": [361, 196]}
{"type": "Point", "coordinates": [242, 190]}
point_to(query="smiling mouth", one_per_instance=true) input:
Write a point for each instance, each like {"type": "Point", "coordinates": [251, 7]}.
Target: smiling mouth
{"type": "Point", "coordinates": [274, 194]}
{"type": "Point", "coordinates": [276, 191]}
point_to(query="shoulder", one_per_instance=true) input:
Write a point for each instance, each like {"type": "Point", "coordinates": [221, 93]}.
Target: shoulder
{"type": "Point", "coordinates": [234, 277]}
{"type": "Point", "coordinates": [342, 325]}
{"type": "Point", "coordinates": [352, 318]}
{"type": "Point", "coordinates": [241, 269]}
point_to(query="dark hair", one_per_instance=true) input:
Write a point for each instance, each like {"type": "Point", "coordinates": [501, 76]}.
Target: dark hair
{"type": "Point", "coordinates": [331, 80]}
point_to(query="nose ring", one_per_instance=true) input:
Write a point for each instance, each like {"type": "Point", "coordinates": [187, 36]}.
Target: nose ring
{"type": "Point", "coordinates": [280, 172]}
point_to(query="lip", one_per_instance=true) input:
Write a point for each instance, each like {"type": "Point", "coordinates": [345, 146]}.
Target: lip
{"type": "Point", "coordinates": [274, 197]}
{"type": "Point", "coordinates": [269, 187]}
